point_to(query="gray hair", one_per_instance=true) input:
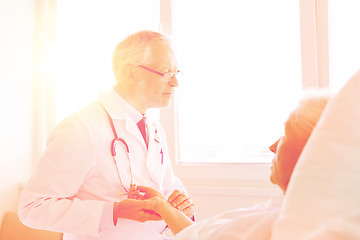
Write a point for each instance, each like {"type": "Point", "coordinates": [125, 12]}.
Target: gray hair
{"type": "Point", "coordinates": [305, 116]}
{"type": "Point", "coordinates": [135, 50]}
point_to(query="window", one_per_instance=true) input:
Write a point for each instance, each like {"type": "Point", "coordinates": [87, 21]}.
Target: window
{"type": "Point", "coordinates": [344, 40]}
{"type": "Point", "coordinates": [242, 76]}
{"type": "Point", "coordinates": [238, 58]}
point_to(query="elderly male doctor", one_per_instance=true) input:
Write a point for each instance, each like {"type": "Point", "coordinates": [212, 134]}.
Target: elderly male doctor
{"type": "Point", "coordinates": [96, 155]}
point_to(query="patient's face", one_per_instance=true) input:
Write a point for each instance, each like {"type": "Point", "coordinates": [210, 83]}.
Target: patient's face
{"type": "Point", "coordinates": [287, 152]}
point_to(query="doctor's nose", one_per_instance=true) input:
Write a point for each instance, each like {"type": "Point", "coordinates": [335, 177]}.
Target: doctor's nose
{"type": "Point", "coordinates": [174, 81]}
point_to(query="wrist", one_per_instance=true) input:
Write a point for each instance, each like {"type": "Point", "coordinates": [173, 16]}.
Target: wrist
{"type": "Point", "coordinates": [119, 209]}
{"type": "Point", "coordinates": [160, 205]}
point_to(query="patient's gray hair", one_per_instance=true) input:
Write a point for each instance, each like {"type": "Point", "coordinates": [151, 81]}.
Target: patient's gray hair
{"type": "Point", "coordinates": [134, 50]}
{"type": "Point", "coordinates": [305, 116]}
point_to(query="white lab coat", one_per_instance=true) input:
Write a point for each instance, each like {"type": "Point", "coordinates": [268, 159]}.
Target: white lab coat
{"type": "Point", "coordinates": [253, 223]}
{"type": "Point", "coordinates": [77, 181]}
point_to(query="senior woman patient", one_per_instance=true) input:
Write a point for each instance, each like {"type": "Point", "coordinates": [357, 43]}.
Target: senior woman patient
{"type": "Point", "coordinates": [255, 222]}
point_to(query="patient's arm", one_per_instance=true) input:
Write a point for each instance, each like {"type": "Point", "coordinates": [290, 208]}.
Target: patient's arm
{"type": "Point", "coordinates": [175, 219]}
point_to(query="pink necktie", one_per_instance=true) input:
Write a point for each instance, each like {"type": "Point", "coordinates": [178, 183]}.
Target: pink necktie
{"type": "Point", "coordinates": [141, 125]}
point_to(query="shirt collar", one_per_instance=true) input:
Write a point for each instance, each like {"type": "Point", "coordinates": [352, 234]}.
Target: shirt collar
{"type": "Point", "coordinates": [117, 106]}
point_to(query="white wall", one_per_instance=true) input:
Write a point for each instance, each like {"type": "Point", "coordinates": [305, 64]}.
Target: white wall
{"type": "Point", "coordinates": [16, 74]}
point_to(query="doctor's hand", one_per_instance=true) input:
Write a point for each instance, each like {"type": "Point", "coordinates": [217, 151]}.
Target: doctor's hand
{"type": "Point", "coordinates": [138, 210]}
{"type": "Point", "coordinates": [142, 192]}
{"type": "Point", "coordinates": [182, 202]}
{"type": "Point", "coordinates": [177, 199]}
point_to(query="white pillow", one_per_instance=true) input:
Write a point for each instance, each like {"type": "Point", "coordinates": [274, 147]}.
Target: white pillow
{"type": "Point", "coordinates": [325, 185]}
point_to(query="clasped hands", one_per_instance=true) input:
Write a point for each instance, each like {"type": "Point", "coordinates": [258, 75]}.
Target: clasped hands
{"type": "Point", "coordinates": [145, 203]}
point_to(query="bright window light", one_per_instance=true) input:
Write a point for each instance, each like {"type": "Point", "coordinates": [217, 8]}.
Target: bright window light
{"type": "Point", "coordinates": [344, 40]}
{"type": "Point", "coordinates": [242, 76]}
{"type": "Point", "coordinates": [87, 33]}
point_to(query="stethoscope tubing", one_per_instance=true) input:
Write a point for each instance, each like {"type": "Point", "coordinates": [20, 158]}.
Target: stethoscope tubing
{"type": "Point", "coordinates": [113, 151]}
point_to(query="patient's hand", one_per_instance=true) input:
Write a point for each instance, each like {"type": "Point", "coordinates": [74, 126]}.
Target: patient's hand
{"type": "Point", "coordinates": [182, 202]}
{"type": "Point", "coordinates": [177, 218]}
{"type": "Point", "coordinates": [177, 199]}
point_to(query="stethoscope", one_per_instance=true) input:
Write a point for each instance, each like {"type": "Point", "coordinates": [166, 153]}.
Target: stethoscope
{"type": "Point", "coordinates": [115, 142]}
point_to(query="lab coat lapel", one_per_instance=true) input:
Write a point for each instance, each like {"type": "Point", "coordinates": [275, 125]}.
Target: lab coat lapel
{"type": "Point", "coordinates": [150, 128]}
{"type": "Point", "coordinates": [115, 110]}
{"type": "Point", "coordinates": [125, 127]}
{"type": "Point", "coordinates": [153, 156]}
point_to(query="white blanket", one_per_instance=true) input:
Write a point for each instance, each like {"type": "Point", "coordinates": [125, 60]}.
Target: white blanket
{"type": "Point", "coordinates": [253, 223]}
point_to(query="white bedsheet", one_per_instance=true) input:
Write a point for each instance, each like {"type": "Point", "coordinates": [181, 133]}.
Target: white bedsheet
{"type": "Point", "coordinates": [344, 227]}
{"type": "Point", "coordinates": [244, 223]}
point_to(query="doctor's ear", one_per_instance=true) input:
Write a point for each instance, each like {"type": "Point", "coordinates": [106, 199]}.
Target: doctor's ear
{"type": "Point", "coordinates": [128, 71]}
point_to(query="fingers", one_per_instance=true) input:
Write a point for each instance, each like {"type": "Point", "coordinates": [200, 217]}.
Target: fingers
{"type": "Point", "coordinates": [134, 193]}
{"type": "Point", "coordinates": [189, 211]}
{"type": "Point", "coordinates": [181, 201]}
{"type": "Point", "coordinates": [132, 187]}
{"type": "Point", "coordinates": [177, 198]}
{"type": "Point", "coordinates": [173, 196]}
{"type": "Point", "coordinates": [149, 192]}
{"type": "Point", "coordinates": [186, 203]}
{"type": "Point", "coordinates": [144, 189]}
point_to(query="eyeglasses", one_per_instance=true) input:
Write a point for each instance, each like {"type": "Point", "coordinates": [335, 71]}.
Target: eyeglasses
{"type": "Point", "coordinates": [166, 76]}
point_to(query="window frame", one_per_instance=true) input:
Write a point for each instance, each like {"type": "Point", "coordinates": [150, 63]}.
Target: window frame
{"type": "Point", "coordinates": [315, 74]}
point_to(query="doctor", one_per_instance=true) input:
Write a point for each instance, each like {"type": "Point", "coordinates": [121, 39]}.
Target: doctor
{"type": "Point", "coordinates": [94, 157]}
